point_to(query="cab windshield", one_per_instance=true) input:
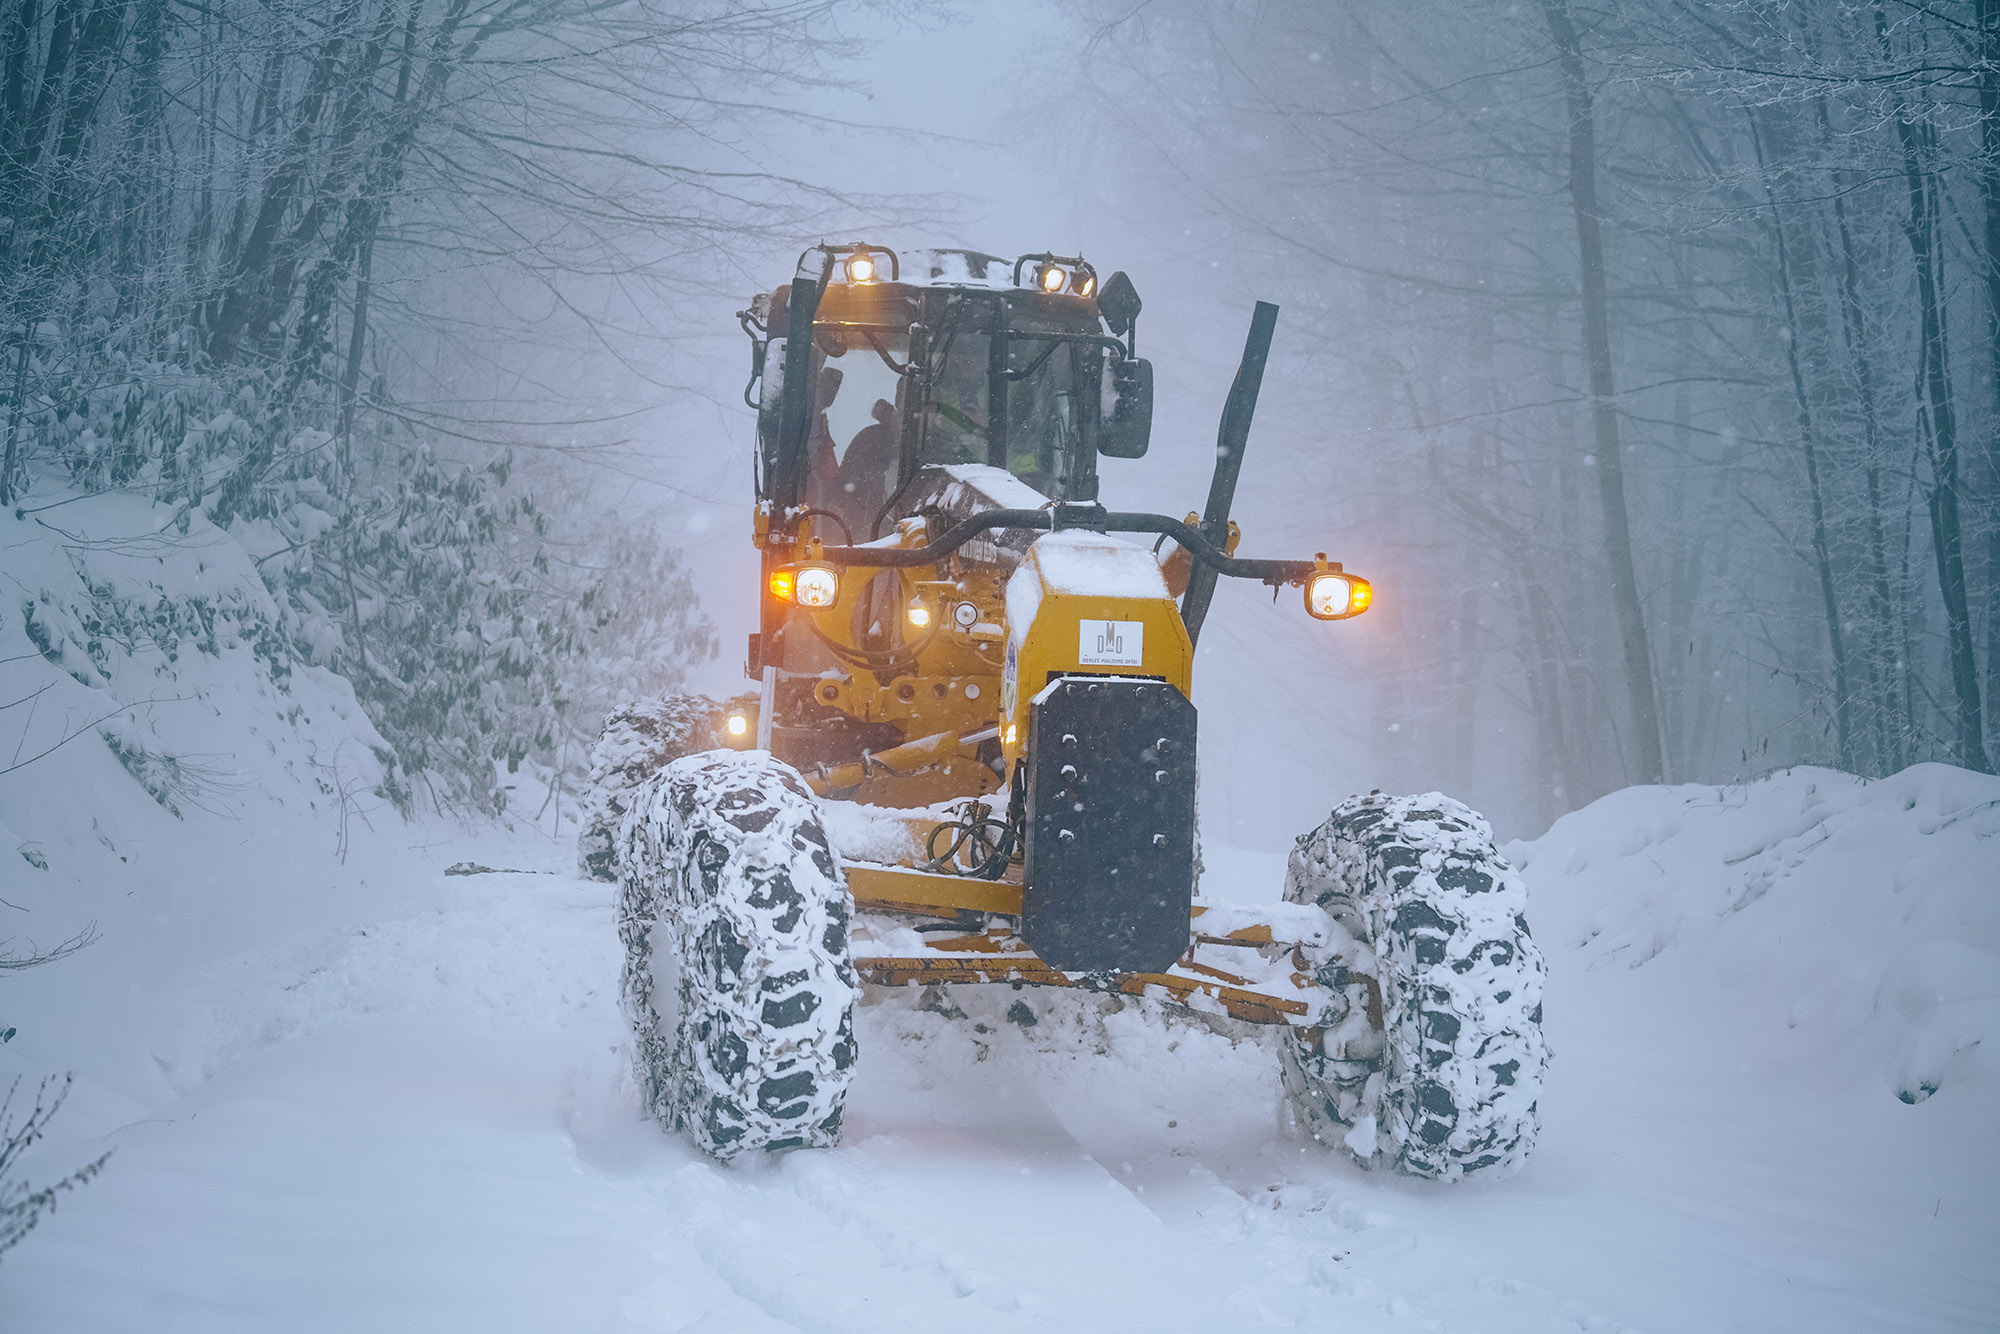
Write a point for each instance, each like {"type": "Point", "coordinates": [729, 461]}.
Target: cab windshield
{"type": "Point", "coordinates": [1042, 389]}
{"type": "Point", "coordinates": [863, 447]}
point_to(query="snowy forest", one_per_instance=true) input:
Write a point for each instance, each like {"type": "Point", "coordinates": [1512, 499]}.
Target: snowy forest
{"type": "Point", "coordinates": [1674, 425]}
{"type": "Point", "coordinates": [373, 425]}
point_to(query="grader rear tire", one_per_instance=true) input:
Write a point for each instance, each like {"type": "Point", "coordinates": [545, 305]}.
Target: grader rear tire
{"type": "Point", "coordinates": [637, 741]}
{"type": "Point", "coordinates": [737, 981]}
{"type": "Point", "coordinates": [1451, 1086]}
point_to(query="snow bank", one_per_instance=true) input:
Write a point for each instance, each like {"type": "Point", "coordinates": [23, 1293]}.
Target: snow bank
{"type": "Point", "coordinates": [177, 783]}
{"type": "Point", "coordinates": [1811, 916]}
{"type": "Point", "coordinates": [375, 1094]}
{"type": "Point", "coordinates": [136, 637]}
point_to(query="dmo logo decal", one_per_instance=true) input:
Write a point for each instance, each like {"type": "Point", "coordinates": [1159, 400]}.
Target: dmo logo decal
{"type": "Point", "coordinates": [1111, 643]}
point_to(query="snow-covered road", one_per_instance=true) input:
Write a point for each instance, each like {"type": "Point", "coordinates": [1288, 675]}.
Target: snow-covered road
{"type": "Point", "coordinates": [409, 1109]}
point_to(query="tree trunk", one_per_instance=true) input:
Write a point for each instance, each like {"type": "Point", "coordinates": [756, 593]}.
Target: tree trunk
{"type": "Point", "coordinates": [1843, 711]}
{"type": "Point", "coordinates": [1465, 691]}
{"type": "Point", "coordinates": [1641, 696]}
{"type": "Point", "coordinates": [142, 224]}
{"type": "Point", "coordinates": [42, 185]}
{"type": "Point", "coordinates": [357, 339]}
{"type": "Point", "coordinates": [26, 130]}
{"type": "Point", "coordinates": [1988, 12]}
{"type": "Point", "coordinates": [10, 459]}
{"type": "Point", "coordinates": [1886, 666]}
{"type": "Point", "coordinates": [246, 303]}
{"type": "Point", "coordinates": [1940, 430]}
{"type": "Point", "coordinates": [98, 43]}
{"type": "Point", "coordinates": [14, 91]}
{"type": "Point", "coordinates": [1541, 665]}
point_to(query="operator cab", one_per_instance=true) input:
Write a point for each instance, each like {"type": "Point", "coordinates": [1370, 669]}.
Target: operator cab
{"type": "Point", "coordinates": [969, 359]}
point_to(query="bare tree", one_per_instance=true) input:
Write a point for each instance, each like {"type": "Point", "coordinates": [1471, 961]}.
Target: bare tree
{"type": "Point", "coordinates": [22, 1205]}
{"type": "Point", "coordinates": [273, 262]}
{"type": "Point", "coordinates": [1736, 337]}
{"type": "Point", "coordinates": [1608, 455]}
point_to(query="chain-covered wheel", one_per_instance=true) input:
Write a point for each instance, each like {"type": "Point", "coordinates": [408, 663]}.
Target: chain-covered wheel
{"type": "Point", "coordinates": [638, 740]}
{"type": "Point", "coordinates": [738, 981]}
{"type": "Point", "coordinates": [1447, 1084]}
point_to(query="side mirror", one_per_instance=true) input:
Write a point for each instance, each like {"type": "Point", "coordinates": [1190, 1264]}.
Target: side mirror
{"type": "Point", "coordinates": [1119, 303]}
{"type": "Point", "coordinates": [1127, 425]}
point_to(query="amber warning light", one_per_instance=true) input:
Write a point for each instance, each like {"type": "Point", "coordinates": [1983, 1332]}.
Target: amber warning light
{"type": "Point", "coordinates": [814, 587]}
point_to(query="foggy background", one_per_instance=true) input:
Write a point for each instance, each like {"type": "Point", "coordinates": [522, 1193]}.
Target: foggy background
{"type": "Point", "coordinates": [1799, 217]}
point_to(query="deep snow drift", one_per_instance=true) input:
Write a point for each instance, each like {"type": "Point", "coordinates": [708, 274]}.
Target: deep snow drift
{"type": "Point", "coordinates": [348, 1089]}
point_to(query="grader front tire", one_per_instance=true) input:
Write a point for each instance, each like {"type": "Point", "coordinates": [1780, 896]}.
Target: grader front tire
{"type": "Point", "coordinates": [1451, 1087]}
{"type": "Point", "coordinates": [738, 981]}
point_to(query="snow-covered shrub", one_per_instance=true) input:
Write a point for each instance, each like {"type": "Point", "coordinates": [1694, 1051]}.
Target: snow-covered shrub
{"type": "Point", "coordinates": [477, 629]}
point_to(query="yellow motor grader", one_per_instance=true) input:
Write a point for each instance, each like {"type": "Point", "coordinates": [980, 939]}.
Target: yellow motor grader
{"type": "Point", "coordinates": [971, 753]}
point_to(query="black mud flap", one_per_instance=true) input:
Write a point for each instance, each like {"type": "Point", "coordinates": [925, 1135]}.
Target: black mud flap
{"type": "Point", "coordinates": [1110, 854]}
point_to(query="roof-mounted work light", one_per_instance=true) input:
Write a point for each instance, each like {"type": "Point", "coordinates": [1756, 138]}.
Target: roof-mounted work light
{"type": "Point", "coordinates": [859, 262]}
{"type": "Point", "coordinates": [1058, 273]}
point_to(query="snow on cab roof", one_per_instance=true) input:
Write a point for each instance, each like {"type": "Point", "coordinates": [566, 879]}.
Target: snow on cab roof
{"type": "Point", "coordinates": [957, 268]}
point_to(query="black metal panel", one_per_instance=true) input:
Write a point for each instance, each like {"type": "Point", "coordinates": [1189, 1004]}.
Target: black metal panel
{"type": "Point", "coordinates": [1110, 829]}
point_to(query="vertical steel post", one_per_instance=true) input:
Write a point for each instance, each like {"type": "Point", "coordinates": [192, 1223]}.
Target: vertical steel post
{"type": "Point", "coordinates": [1230, 438]}
{"type": "Point", "coordinates": [767, 704]}
{"type": "Point", "coordinates": [799, 406]}
{"type": "Point", "coordinates": [996, 387]}
{"type": "Point", "coordinates": [798, 411]}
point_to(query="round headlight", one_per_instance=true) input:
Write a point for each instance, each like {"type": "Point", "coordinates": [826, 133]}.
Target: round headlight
{"type": "Point", "coordinates": [1050, 278]}
{"type": "Point", "coordinates": [1328, 596]}
{"type": "Point", "coordinates": [861, 269]}
{"type": "Point", "coordinates": [1335, 597]}
{"type": "Point", "coordinates": [737, 725]}
{"type": "Point", "coordinates": [815, 587]}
